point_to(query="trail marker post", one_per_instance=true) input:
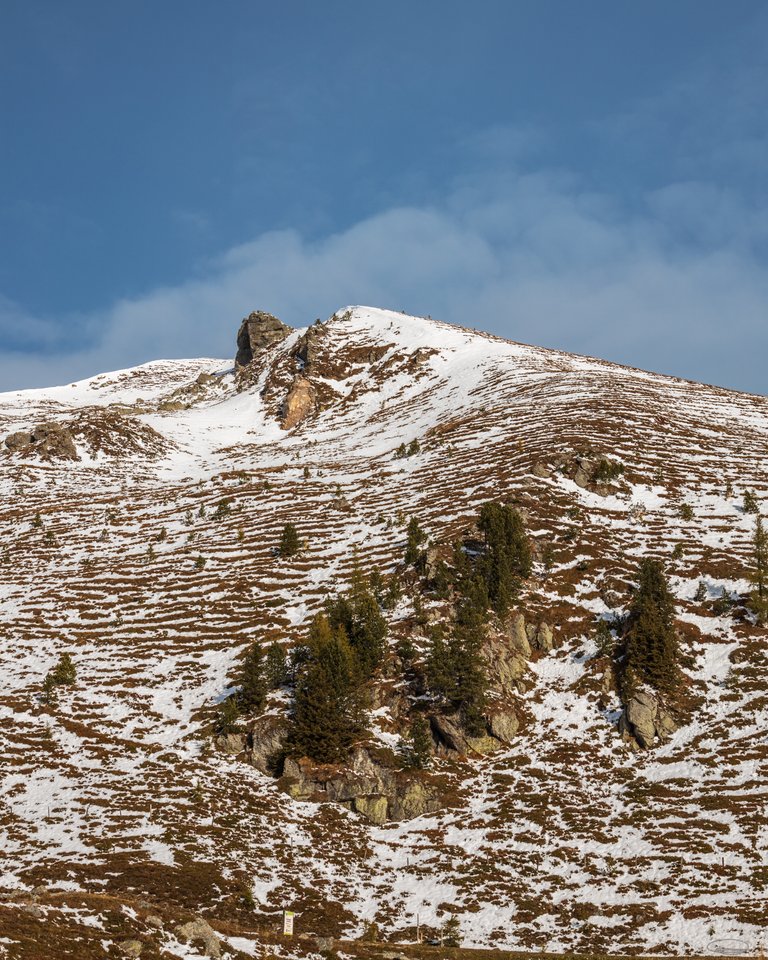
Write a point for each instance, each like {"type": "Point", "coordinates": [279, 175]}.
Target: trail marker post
{"type": "Point", "coordinates": [288, 923]}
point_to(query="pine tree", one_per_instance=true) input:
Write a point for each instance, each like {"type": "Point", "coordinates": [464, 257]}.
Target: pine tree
{"type": "Point", "coordinates": [451, 932]}
{"type": "Point", "coordinates": [50, 694]}
{"type": "Point", "coordinates": [358, 613]}
{"type": "Point", "coordinates": [276, 667]}
{"type": "Point", "coordinates": [253, 684]}
{"type": "Point", "coordinates": [326, 717]}
{"type": "Point", "coordinates": [289, 541]}
{"type": "Point", "coordinates": [750, 502]}
{"type": "Point", "coordinates": [417, 749]}
{"type": "Point", "coordinates": [650, 640]}
{"type": "Point", "coordinates": [759, 572]}
{"type": "Point", "coordinates": [507, 558]}
{"type": "Point", "coordinates": [64, 673]}
{"type": "Point", "coordinates": [227, 716]}
{"type": "Point", "coordinates": [456, 673]}
{"type": "Point", "coordinates": [416, 537]}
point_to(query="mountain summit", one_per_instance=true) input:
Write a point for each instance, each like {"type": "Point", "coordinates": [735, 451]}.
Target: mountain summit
{"type": "Point", "coordinates": [145, 519]}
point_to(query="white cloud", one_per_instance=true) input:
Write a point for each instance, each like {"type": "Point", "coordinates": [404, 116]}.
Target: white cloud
{"type": "Point", "coordinates": [534, 257]}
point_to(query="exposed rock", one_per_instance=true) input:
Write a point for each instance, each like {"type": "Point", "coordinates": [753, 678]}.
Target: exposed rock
{"type": "Point", "coordinates": [299, 403]}
{"type": "Point", "coordinates": [307, 348]}
{"type": "Point", "coordinates": [131, 948]}
{"type": "Point", "coordinates": [231, 743]}
{"type": "Point", "coordinates": [17, 441]}
{"type": "Point", "coordinates": [507, 665]}
{"type": "Point", "coordinates": [517, 634]}
{"type": "Point", "coordinates": [645, 719]}
{"type": "Point", "coordinates": [376, 792]}
{"type": "Point", "coordinates": [449, 733]}
{"type": "Point", "coordinates": [50, 441]}
{"type": "Point", "coordinates": [540, 469]}
{"type": "Point", "coordinates": [266, 742]}
{"type": "Point", "coordinates": [542, 638]}
{"type": "Point", "coordinates": [198, 931]}
{"type": "Point", "coordinates": [154, 921]}
{"type": "Point", "coordinates": [258, 331]}
{"type": "Point", "coordinates": [503, 724]}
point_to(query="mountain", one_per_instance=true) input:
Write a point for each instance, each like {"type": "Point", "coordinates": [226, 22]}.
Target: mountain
{"type": "Point", "coordinates": [141, 512]}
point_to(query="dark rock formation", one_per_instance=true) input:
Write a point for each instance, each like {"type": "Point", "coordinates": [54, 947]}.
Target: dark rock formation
{"type": "Point", "coordinates": [258, 331]}
{"type": "Point", "coordinates": [51, 441]}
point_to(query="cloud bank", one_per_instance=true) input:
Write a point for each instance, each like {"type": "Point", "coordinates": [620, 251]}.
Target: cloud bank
{"type": "Point", "coordinates": [675, 285]}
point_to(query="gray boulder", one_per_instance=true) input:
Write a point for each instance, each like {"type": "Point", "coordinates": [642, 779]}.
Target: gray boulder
{"type": "Point", "coordinates": [258, 331]}
{"type": "Point", "coordinates": [200, 932]}
{"type": "Point", "coordinates": [645, 719]}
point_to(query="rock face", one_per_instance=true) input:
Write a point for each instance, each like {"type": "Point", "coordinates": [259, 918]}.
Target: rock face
{"type": "Point", "coordinates": [258, 331]}
{"type": "Point", "coordinates": [299, 403]}
{"type": "Point", "coordinates": [375, 792]}
{"type": "Point", "coordinates": [646, 720]}
{"type": "Point", "coordinates": [266, 742]}
{"type": "Point", "coordinates": [307, 348]}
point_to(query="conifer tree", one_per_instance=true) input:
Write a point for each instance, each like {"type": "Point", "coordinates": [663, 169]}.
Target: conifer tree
{"type": "Point", "coordinates": [64, 673]}
{"type": "Point", "coordinates": [759, 572]}
{"type": "Point", "coordinates": [749, 504]}
{"type": "Point", "coordinates": [456, 672]}
{"type": "Point", "coordinates": [651, 652]}
{"type": "Point", "coordinates": [507, 559]}
{"type": "Point", "coordinates": [326, 717]}
{"type": "Point", "coordinates": [227, 716]}
{"type": "Point", "coordinates": [253, 684]}
{"type": "Point", "coordinates": [416, 537]}
{"type": "Point", "coordinates": [276, 667]}
{"type": "Point", "coordinates": [358, 613]}
{"type": "Point", "coordinates": [289, 541]}
{"type": "Point", "coordinates": [417, 749]}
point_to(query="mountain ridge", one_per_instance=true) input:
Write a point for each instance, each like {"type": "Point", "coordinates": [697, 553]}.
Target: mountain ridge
{"type": "Point", "coordinates": [565, 826]}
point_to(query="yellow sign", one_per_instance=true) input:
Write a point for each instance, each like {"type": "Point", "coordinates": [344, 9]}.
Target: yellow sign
{"type": "Point", "coordinates": [288, 923]}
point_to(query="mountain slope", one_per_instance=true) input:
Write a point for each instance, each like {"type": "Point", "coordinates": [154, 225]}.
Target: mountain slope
{"type": "Point", "coordinates": [567, 839]}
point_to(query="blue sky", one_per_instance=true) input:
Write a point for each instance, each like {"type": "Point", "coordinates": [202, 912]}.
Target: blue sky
{"type": "Point", "coordinates": [586, 176]}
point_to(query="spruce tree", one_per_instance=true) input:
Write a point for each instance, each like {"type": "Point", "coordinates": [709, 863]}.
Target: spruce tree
{"type": "Point", "coordinates": [253, 684]}
{"type": "Point", "coordinates": [651, 652]}
{"type": "Point", "coordinates": [417, 749]}
{"type": "Point", "coordinates": [507, 558]}
{"type": "Point", "coordinates": [456, 673]}
{"type": "Point", "coordinates": [64, 673]}
{"type": "Point", "coordinates": [289, 541]}
{"type": "Point", "coordinates": [276, 666]}
{"type": "Point", "coordinates": [326, 717]}
{"type": "Point", "coordinates": [227, 716]}
{"type": "Point", "coordinates": [759, 572]}
{"type": "Point", "coordinates": [749, 504]}
{"type": "Point", "coordinates": [416, 537]}
{"type": "Point", "coordinates": [358, 613]}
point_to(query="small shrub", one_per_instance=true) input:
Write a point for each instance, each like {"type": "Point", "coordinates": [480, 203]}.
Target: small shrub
{"type": "Point", "coordinates": [686, 512]}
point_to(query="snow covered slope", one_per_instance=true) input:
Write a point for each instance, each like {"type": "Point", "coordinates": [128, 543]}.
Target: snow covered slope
{"type": "Point", "coordinates": [568, 840]}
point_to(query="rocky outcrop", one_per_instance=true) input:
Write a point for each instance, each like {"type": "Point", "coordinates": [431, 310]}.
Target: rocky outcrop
{"type": "Point", "coordinates": [266, 743]}
{"type": "Point", "coordinates": [299, 403]}
{"type": "Point", "coordinates": [200, 932]}
{"type": "Point", "coordinates": [503, 724]}
{"type": "Point", "coordinates": [645, 720]}
{"type": "Point", "coordinates": [589, 471]}
{"type": "Point", "coordinates": [307, 350]}
{"type": "Point", "coordinates": [258, 331]}
{"type": "Point", "coordinates": [376, 792]}
{"type": "Point", "coordinates": [49, 441]}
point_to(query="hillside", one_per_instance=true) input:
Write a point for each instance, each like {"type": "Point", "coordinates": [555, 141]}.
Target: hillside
{"type": "Point", "coordinates": [115, 548]}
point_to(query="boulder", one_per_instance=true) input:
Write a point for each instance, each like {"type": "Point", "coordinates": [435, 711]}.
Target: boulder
{"type": "Point", "coordinates": [198, 931]}
{"type": "Point", "coordinates": [448, 732]}
{"type": "Point", "coordinates": [507, 666]}
{"type": "Point", "coordinates": [258, 331]}
{"type": "Point", "coordinates": [231, 743]}
{"type": "Point", "coordinates": [503, 724]}
{"type": "Point", "coordinates": [516, 632]}
{"type": "Point", "coordinates": [266, 742]}
{"type": "Point", "coordinates": [299, 403]}
{"type": "Point", "coordinates": [645, 719]}
{"type": "Point", "coordinates": [131, 948]}
{"type": "Point", "coordinates": [543, 639]}
{"type": "Point", "coordinates": [51, 441]}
